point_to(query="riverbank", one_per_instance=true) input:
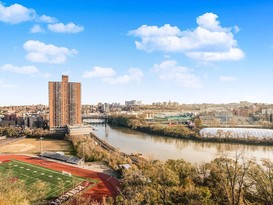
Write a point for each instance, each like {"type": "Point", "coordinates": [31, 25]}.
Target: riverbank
{"type": "Point", "coordinates": [92, 149]}
{"type": "Point", "coordinates": [181, 182]}
{"type": "Point", "coordinates": [180, 131]}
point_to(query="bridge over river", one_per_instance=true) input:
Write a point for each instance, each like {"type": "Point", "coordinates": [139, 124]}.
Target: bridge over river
{"type": "Point", "coordinates": [95, 121]}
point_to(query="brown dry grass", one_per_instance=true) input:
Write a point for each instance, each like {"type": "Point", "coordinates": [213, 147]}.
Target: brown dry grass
{"type": "Point", "coordinates": [32, 146]}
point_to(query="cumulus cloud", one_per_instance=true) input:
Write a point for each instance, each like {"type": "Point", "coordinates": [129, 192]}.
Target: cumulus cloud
{"type": "Point", "coordinates": [16, 13]}
{"type": "Point", "coordinates": [37, 29]}
{"type": "Point", "coordinates": [47, 19]}
{"type": "Point", "coordinates": [21, 70]}
{"type": "Point", "coordinates": [28, 70]}
{"type": "Point", "coordinates": [209, 41]}
{"type": "Point", "coordinates": [47, 53]}
{"type": "Point", "coordinates": [100, 72]}
{"type": "Point", "coordinates": [173, 73]}
{"type": "Point", "coordinates": [231, 54]}
{"type": "Point", "coordinates": [65, 28]}
{"type": "Point", "coordinates": [133, 75]}
{"type": "Point", "coordinates": [109, 75]}
{"type": "Point", "coordinates": [227, 78]}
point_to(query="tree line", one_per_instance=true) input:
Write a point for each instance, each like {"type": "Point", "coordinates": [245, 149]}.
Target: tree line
{"type": "Point", "coordinates": [182, 131]}
{"type": "Point", "coordinates": [36, 132]}
{"type": "Point", "coordinates": [138, 123]}
{"type": "Point", "coordinates": [223, 181]}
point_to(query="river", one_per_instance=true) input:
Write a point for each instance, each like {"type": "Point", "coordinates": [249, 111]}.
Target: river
{"type": "Point", "coordinates": [163, 148]}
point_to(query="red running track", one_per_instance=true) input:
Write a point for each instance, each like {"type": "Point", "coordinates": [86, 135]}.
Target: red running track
{"type": "Point", "coordinates": [107, 185]}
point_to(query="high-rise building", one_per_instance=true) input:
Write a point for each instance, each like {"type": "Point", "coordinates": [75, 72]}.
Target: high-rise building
{"type": "Point", "coordinates": [132, 102]}
{"type": "Point", "coordinates": [64, 103]}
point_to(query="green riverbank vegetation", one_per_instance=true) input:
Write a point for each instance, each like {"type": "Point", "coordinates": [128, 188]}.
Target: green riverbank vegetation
{"type": "Point", "coordinates": [223, 181]}
{"type": "Point", "coordinates": [179, 130]}
{"type": "Point", "coordinates": [15, 132]}
{"type": "Point", "coordinates": [87, 148]}
{"type": "Point", "coordinates": [137, 123]}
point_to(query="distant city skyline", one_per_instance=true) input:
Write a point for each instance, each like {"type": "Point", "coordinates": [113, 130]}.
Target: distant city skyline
{"type": "Point", "coordinates": [183, 51]}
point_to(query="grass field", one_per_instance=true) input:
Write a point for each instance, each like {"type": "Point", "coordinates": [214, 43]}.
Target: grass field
{"type": "Point", "coordinates": [58, 182]}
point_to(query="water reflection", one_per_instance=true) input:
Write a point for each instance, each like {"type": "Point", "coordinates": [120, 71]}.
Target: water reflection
{"type": "Point", "coordinates": [163, 148]}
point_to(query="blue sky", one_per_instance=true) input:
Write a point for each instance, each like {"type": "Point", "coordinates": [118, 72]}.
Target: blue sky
{"type": "Point", "coordinates": [185, 51]}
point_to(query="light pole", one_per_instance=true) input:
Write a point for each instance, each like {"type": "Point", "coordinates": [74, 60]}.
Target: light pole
{"type": "Point", "coordinates": [41, 138]}
{"type": "Point", "coordinates": [83, 153]}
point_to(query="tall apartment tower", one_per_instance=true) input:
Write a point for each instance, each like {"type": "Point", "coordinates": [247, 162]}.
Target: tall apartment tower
{"type": "Point", "coordinates": [64, 103]}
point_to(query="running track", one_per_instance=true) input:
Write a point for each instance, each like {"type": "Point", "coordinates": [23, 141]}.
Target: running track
{"type": "Point", "coordinates": [107, 185]}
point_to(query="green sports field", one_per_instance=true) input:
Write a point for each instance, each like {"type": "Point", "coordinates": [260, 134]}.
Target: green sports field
{"type": "Point", "coordinates": [58, 182]}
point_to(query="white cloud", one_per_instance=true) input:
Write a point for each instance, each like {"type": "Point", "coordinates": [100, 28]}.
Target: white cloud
{"type": "Point", "coordinates": [100, 72]}
{"type": "Point", "coordinates": [16, 13]}
{"type": "Point", "coordinates": [227, 78]}
{"type": "Point", "coordinates": [173, 73]}
{"type": "Point", "coordinates": [231, 54]}
{"type": "Point", "coordinates": [21, 70]}
{"type": "Point", "coordinates": [164, 31]}
{"type": "Point", "coordinates": [28, 70]}
{"type": "Point", "coordinates": [134, 75]}
{"type": "Point", "coordinates": [65, 28]}
{"type": "Point", "coordinates": [36, 29]}
{"type": "Point", "coordinates": [47, 53]}
{"type": "Point", "coordinates": [209, 41]}
{"type": "Point", "coordinates": [108, 75]}
{"type": "Point", "coordinates": [47, 19]}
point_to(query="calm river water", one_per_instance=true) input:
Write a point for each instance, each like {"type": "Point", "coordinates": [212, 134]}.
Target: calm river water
{"type": "Point", "coordinates": [163, 148]}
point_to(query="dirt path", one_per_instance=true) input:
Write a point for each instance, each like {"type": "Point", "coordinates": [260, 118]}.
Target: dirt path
{"type": "Point", "coordinates": [34, 145]}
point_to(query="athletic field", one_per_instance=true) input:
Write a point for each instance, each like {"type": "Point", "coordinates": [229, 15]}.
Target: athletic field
{"type": "Point", "coordinates": [58, 182]}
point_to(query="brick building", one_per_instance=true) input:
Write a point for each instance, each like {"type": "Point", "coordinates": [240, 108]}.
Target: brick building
{"type": "Point", "coordinates": [10, 117]}
{"type": "Point", "coordinates": [64, 103]}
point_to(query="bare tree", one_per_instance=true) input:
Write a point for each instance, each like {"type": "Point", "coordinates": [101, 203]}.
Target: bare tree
{"type": "Point", "coordinates": [230, 177]}
{"type": "Point", "coordinates": [262, 175]}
